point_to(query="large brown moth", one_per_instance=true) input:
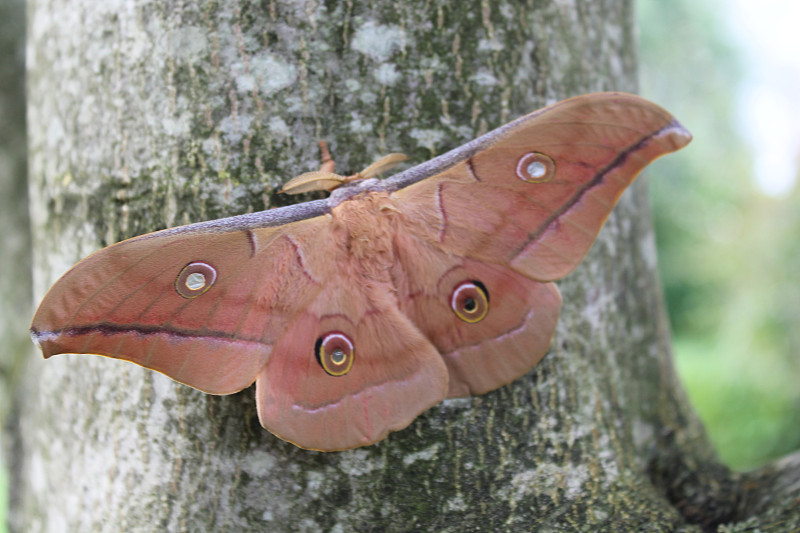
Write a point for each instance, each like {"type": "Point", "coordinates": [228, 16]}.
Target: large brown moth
{"type": "Point", "coordinates": [356, 313]}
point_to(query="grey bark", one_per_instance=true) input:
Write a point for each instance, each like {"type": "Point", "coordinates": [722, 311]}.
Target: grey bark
{"type": "Point", "coordinates": [146, 115]}
{"type": "Point", "coordinates": [15, 250]}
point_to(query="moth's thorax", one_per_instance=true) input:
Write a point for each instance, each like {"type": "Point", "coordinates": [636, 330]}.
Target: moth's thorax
{"type": "Point", "coordinates": [365, 225]}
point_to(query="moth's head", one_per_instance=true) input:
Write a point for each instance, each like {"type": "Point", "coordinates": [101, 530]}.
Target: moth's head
{"type": "Point", "coordinates": [326, 180]}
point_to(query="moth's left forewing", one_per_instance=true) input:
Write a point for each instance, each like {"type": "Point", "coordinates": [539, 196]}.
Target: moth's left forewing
{"type": "Point", "coordinates": [534, 194]}
{"type": "Point", "coordinates": [598, 147]}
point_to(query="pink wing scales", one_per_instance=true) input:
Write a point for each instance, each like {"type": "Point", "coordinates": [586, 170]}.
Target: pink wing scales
{"type": "Point", "coordinates": [396, 373]}
{"type": "Point", "coordinates": [122, 302]}
{"type": "Point", "coordinates": [481, 356]}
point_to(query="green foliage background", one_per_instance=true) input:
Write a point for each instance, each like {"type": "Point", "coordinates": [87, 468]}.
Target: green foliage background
{"type": "Point", "coordinates": [728, 256]}
{"type": "Point", "coordinates": [3, 499]}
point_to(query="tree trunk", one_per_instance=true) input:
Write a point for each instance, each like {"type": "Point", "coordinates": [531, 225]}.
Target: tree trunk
{"type": "Point", "coordinates": [15, 259]}
{"type": "Point", "coordinates": [151, 114]}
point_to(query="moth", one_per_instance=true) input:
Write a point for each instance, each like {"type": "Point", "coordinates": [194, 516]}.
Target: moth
{"type": "Point", "coordinates": [356, 313]}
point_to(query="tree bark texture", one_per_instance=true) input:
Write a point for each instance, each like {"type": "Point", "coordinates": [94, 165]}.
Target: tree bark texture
{"type": "Point", "coordinates": [145, 115]}
{"type": "Point", "coordinates": [15, 248]}
{"type": "Point", "coordinates": [15, 261]}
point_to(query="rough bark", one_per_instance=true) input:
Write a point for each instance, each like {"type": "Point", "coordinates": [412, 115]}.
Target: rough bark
{"type": "Point", "coordinates": [15, 256]}
{"type": "Point", "coordinates": [15, 283]}
{"type": "Point", "coordinates": [146, 115]}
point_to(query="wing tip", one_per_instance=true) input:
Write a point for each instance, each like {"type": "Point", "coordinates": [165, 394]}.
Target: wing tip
{"type": "Point", "coordinates": [41, 339]}
{"type": "Point", "coordinates": [677, 134]}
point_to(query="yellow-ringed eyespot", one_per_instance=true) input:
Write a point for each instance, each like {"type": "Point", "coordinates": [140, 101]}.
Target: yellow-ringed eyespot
{"type": "Point", "coordinates": [535, 167]}
{"type": "Point", "coordinates": [195, 279]}
{"type": "Point", "coordinates": [470, 301]}
{"type": "Point", "coordinates": [335, 353]}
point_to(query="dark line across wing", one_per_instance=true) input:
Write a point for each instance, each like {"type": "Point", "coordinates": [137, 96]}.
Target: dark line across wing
{"type": "Point", "coordinates": [598, 178]}
{"type": "Point", "coordinates": [471, 168]}
{"type": "Point", "coordinates": [111, 329]}
{"type": "Point", "coordinates": [251, 240]}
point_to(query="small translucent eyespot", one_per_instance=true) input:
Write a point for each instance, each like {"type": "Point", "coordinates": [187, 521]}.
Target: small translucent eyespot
{"type": "Point", "coordinates": [535, 167]}
{"type": "Point", "coordinates": [195, 279]}
{"type": "Point", "coordinates": [335, 353]}
{"type": "Point", "coordinates": [470, 301]}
